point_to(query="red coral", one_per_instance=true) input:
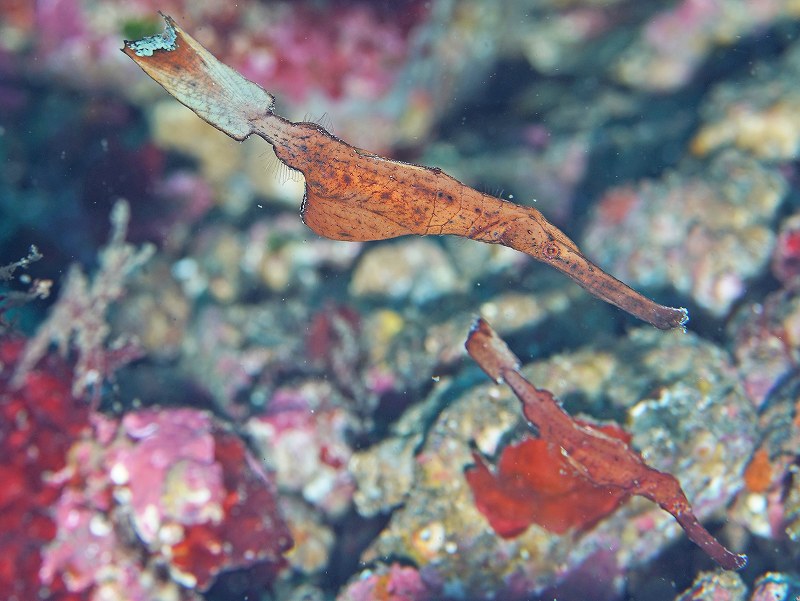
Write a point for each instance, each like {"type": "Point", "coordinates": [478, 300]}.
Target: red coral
{"type": "Point", "coordinates": [38, 423]}
{"type": "Point", "coordinates": [786, 257]}
{"type": "Point", "coordinates": [250, 534]}
{"type": "Point", "coordinates": [333, 332]}
{"type": "Point", "coordinates": [535, 484]}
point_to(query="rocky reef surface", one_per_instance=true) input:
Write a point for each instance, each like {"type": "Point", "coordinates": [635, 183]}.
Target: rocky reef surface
{"type": "Point", "coordinates": [204, 400]}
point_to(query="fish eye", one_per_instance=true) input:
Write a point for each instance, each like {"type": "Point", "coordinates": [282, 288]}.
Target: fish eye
{"type": "Point", "coordinates": [551, 250]}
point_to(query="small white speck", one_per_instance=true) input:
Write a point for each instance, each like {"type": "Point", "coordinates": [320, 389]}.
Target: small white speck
{"type": "Point", "coordinates": [73, 519]}
{"type": "Point", "coordinates": [171, 534]}
{"type": "Point", "coordinates": [98, 526]}
{"type": "Point", "coordinates": [756, 503]}
{"type": "Point", "coordinates": [119, 474]}
{"type": "Point", "coordinates": [185, 269]}
{"type": "Point", "coordinates": [149, 520]}
{"type": "Point", "coordinates": [123, 496]}
{"type": "Point", "coordinates": [187, 580]}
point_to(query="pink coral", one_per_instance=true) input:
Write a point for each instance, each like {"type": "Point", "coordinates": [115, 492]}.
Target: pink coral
{"type": "Point", "coordinates": [766, 334]}
{"type": "Point", "coordinates": [352, 49]}
{"type": "Point", "coordinates": [305, 441]}
{"type": "Point", "coordinates": [197, 501]}
{"type": "Point", "coordinates": [355, 54]}
{"type": "Point", "coordinates": [766, 337]}
{"type": "Point", "coordinates": [393, 583]}
{"type": "Point", "coordinates": [92, 557]}
{"type": "Point", "coordinates": [169, 470]}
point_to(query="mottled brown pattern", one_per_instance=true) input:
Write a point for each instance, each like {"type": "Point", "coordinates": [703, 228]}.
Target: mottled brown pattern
{"type": "Point", "coordinates": [352, 194]}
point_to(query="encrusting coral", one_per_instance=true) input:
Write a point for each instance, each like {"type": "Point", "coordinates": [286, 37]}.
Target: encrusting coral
{"type": "Point", "coordinates": [157, 504]}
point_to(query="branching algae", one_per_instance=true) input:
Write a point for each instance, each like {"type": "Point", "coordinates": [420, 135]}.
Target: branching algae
{"type": "Point", "coordinates": [601, 460]}
{"type": "Point", "coordinates": [352, 194]}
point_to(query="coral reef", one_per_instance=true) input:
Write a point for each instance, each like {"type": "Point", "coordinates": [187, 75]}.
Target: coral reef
{"type": "Point", "coordinates": [40, 421]}
{"type": "Point", "coordinates": [756, 115]}
{"type": "Point", "coordinates": [676, 40]}
{"type": "Point", "coordinates": [390, 583]}
{"type": "Point", "coordinates": [729, 587]}
{"type": "Point", "coordinates": [189, 491]}
{"type": "Point", "coordinates": [178, 404]}
{"type": "Point", "coordinates": [81, 313]}
{"type": "Point", "coordinates": [719, 587]}
{"type": "Point", "coordinates": [717, 223]}
{"type": "Point", "coordinates": [417, 270]}
{"type": "Point", "coordinates": [303, 439]}
{"type": "Point", "coordinates": [673, 430]}
{"type": "Point", "coordinates": [97, 507]}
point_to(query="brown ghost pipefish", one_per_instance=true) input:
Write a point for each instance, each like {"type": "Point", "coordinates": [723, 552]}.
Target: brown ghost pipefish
{"type": "Point", "coordinates": [602, 460]}
{"type": "Point", "coordinates": [352, 194]}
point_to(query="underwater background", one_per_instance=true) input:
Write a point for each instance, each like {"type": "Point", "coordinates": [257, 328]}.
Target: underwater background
{"type": "Point", "coordinates": [202, 399]}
